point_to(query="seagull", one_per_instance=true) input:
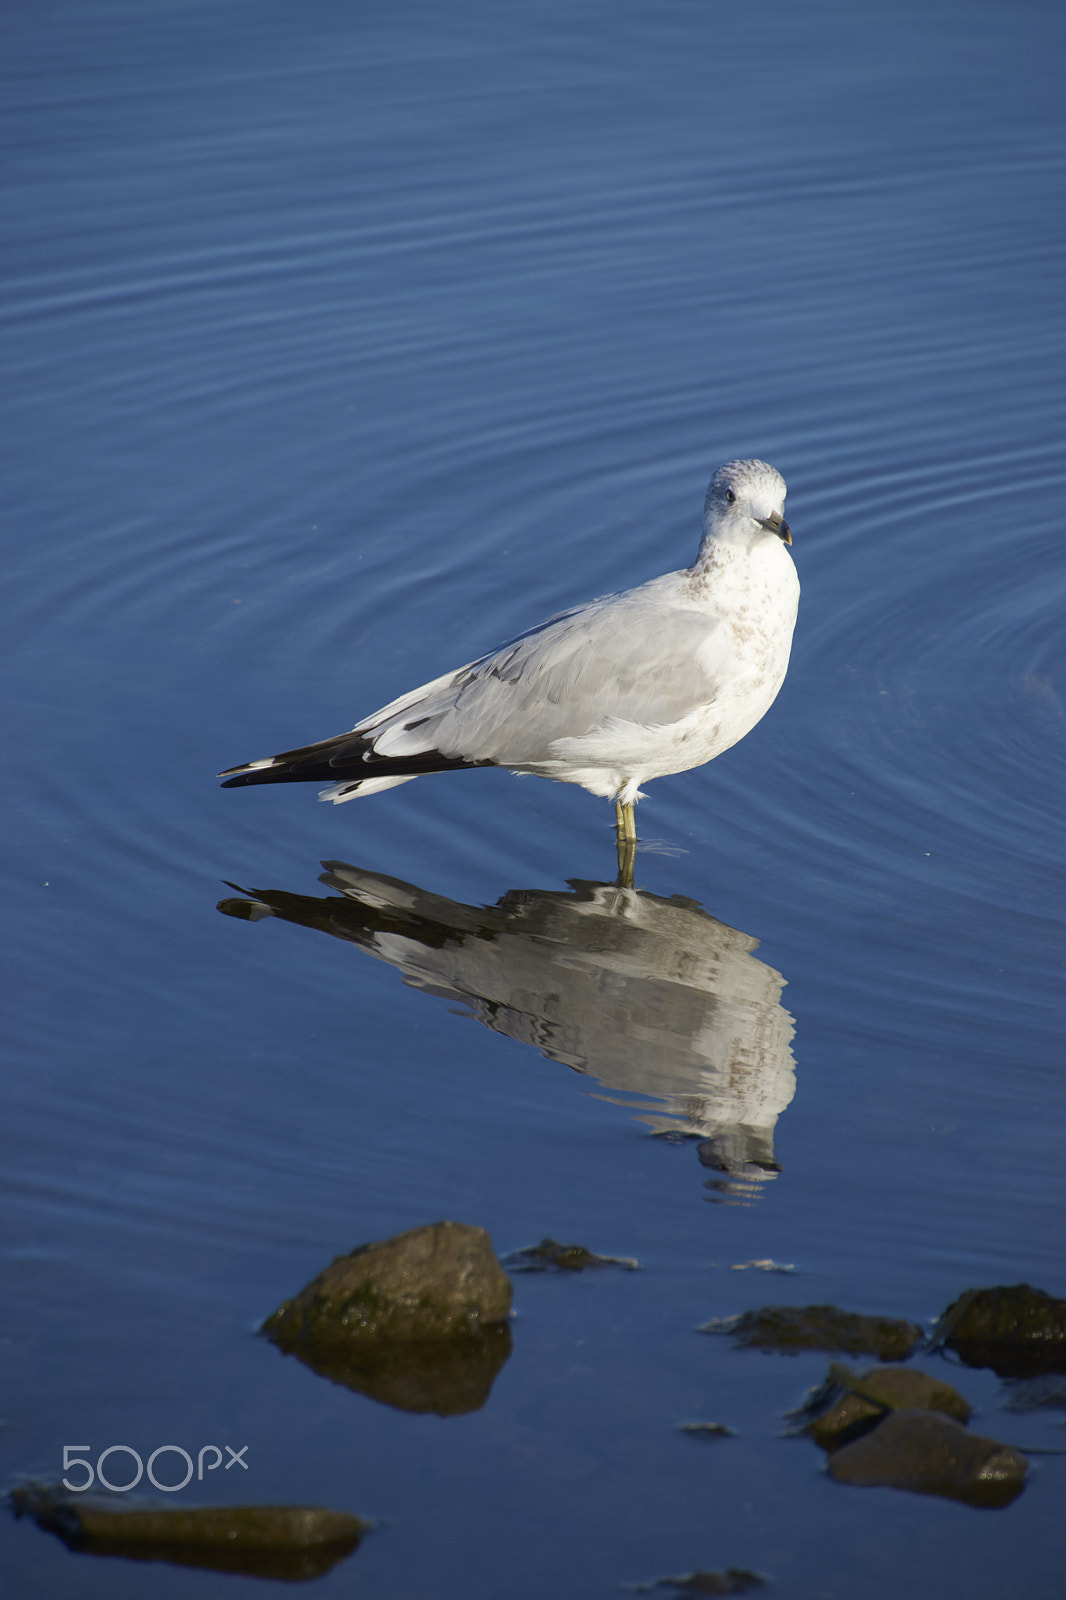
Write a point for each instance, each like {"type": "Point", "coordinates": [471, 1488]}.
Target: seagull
{"type": "Point", "coordinates": [608, 695]}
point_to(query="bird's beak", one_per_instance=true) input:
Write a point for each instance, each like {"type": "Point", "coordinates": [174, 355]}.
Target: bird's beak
{"type": "Point", "coordinates": [775, 523]}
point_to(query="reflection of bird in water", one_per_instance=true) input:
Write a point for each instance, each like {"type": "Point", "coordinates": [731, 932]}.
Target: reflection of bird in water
{"type": "Point", "coordinates": [658, 1001]}
{"type": "Point", "coordinates": [609, 695]}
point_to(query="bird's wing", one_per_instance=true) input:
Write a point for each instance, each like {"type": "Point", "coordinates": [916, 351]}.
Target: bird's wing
{"type": "Point", "coordinates": [634, 657]}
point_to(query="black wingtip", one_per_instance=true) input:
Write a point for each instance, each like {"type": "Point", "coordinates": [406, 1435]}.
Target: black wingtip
{"type": "Point", "coordinates": [267, 775]}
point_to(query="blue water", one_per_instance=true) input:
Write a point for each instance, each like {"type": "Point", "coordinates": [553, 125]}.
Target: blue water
{"type": "Point", "coordinates": [341, 343]}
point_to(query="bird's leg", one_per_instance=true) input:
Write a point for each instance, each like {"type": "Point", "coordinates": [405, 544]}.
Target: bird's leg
{"type": "Point", "coordinates": [626, 839]}
{"type": "Point", "coordinates": [626, 822]}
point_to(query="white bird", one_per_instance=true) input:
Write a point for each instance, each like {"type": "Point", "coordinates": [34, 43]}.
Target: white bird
{"type": "Point", "coordinates": [659, 679]}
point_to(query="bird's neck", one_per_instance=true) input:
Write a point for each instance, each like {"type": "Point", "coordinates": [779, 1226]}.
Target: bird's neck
{"type": "Point", "coordinates": [738, 547]}
{"type": "Point", "coordinates": [735, 571]}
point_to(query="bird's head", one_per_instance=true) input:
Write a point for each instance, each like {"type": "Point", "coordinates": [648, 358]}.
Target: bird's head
{"type": "Point", "coordinates": [745, 501]}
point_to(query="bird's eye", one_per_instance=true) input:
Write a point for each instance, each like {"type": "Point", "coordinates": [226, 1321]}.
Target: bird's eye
{"type": "Point", "coordinates": [730, 496]}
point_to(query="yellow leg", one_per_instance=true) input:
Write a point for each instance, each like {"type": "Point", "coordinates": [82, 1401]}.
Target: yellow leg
{"type": "Point", "coordinates": [626, 835]}
{"type": "Point", "coordinates": [627, 855]}
{"type": "Point", "coordinates": [626, 822]}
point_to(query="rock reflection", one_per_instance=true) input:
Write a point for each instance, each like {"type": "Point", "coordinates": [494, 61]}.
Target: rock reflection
{"type": "Point", "coordinates": [442, 1377]}
{"type": "Point", "coordinates": [663, 1005]}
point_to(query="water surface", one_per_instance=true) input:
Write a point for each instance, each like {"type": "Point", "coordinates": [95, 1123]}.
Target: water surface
{"type": "Point", "coordinates": [340, 346]}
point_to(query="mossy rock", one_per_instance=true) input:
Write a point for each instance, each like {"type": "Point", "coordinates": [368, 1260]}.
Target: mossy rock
{"type": "Point", "coordinates": [286, 1543]}
{"type": "Point", "coordinates": [437, 1282]}
{"type": "Point", "coordinates": [734, 1580]}
{"type": "Point", "coordinates": [790, 1329]}
{"type": "Point", "coordinates": [550, 1255]}
{"type": "Point", "coordinates": [417, 1322]}
{"type": "Point", "coordinates": [850, 1403]}
{"type": "Point", "coordinates": [1018, 1331]}
{"type": "Point", "coordinates": [930, 1454]}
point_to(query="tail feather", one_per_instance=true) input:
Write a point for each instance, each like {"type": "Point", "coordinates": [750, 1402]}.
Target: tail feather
{"type": "Point", "coordinates": [346, 756]}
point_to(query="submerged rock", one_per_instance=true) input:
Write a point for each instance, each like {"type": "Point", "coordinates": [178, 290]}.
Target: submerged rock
{"type": "Point", "coordinates": [734, 1580]}
{"type": "Point", "coordinates": [550, 1254]}
{"type": "Point", "coordinates": [1017, 1331]}
{"type": "Point", "coordinates": [418, 1321]}
{"type": "Point", "coordinates": [789, 1329]}
{"type": "Point", "coordinates": [706, 1430]}
{"type": "Point", "coordinates": [931, 1454]}
{"type": "Point", "coordinates": [288, 1543]}
{"type": "Point", "coordinates": [1047, 1392]}
{"type": "Point", "coordinates": [850, 1403]}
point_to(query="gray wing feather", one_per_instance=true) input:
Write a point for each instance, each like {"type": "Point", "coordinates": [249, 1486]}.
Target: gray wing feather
{"type": "Point", "coordinates": [562, 680]}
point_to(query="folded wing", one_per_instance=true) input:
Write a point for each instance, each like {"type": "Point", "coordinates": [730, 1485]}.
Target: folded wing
{"type": "Point", "coordinates": [571, 676]}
